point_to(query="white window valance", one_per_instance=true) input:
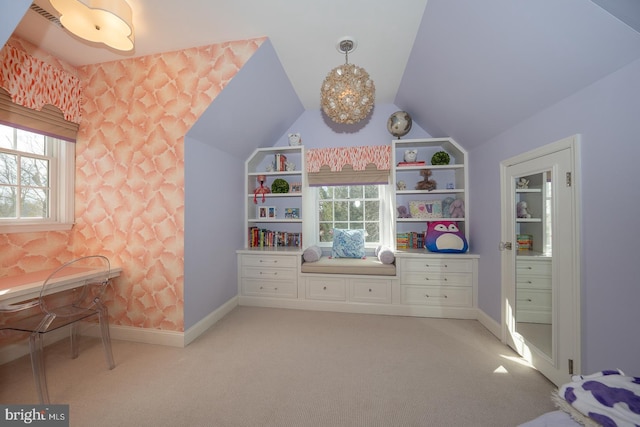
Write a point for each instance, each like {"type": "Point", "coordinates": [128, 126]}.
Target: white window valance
{"type": "Point", "coordinates": [348, 165]}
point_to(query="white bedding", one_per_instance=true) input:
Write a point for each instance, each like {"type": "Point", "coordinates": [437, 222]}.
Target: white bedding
{"type": "Point", "coordinates": [607, 398]}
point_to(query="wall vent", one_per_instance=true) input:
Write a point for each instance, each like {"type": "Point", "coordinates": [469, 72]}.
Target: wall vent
{"type": "Point", "coordinates": [45, 14]}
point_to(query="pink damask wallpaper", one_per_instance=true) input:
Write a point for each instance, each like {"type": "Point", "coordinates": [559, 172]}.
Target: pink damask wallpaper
{"type": "Point", "coordinates": [130, 177]}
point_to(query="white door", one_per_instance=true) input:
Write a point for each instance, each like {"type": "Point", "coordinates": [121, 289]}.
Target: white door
{"type": "Point", "coordinates": [540, 258]}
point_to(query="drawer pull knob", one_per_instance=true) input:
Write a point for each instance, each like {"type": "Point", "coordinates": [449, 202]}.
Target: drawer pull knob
{"type": "Point", "coordinates": [445, 266]}
{"type": "Point", "coordinates": [369, 290]}
{"type": "Point", "coordinates": [324, 288]}
{"type": "Point", "coordinates": [436, 296]}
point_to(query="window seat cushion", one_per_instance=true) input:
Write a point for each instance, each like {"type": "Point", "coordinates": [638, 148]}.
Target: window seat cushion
{"type": "Point", "coordinates": [368, 266]}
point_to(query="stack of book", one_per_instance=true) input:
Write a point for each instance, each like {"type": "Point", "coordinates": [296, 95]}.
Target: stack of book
{"type": "Point", "coordinates": [416, 163]}
{"type": "Point", "coordinates": [410, 240]}
{"type": "Point", "coordinates": [281, 161]}
{"type": "Point", "coordinates": [260, 238]}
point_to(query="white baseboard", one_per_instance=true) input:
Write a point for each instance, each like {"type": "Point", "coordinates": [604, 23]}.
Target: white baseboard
{"type": "Point", "coordinates": [143, 335]}
{"type": "Point", "coordinates": [487, 321]}
{"type": "Point", "coordinates": [196, 330]}
{"type": "Point", "coordinates": [369, 308]}
{"type": "Point", "coordinates": [127, 333]}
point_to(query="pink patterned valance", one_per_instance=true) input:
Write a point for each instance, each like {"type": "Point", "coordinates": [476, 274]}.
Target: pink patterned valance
{"type": "Point", "coordinates": [357, 157]}
{"type": "Point", "coordinates": [33, 83]}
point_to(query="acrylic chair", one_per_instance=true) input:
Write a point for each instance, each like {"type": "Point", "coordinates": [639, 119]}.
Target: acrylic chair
{"type": "Point", "coordinates": [57, 309]}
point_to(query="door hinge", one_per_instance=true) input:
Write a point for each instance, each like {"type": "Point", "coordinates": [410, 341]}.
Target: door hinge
{"type": "Point", "coordinates": [505, 246]}
{"type": "Point", "coordinates": [570, 366]}
{"type": "Point", "coordinates": [568, 179]}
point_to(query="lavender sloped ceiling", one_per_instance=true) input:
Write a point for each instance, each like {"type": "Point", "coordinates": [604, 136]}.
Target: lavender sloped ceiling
{"type": "Point", "coordinates": [479, 68]}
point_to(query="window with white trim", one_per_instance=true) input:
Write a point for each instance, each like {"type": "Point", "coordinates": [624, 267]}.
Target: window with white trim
{"type": "Point", "coordinates": [351, 207]}
{"type": "Point", "coordinates": [36, 181]}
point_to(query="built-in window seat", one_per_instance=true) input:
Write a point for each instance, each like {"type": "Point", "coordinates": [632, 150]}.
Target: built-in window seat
{"type": "Point", "coordinates": [370, 266]}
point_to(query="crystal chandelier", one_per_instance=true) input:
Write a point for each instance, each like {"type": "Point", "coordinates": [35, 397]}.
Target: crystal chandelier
{"type": "Point", "coordinates": [347, 93]}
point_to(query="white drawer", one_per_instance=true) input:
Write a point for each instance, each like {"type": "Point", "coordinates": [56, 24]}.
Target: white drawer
{"type": "Point", "coordinates": [437, 265]}
{"type": "Point", "coordinates": [284, 274]}
{"type": "Point", "coordinates": [270, 261]}
{"type": "Point", "coordinates": [373, 291]}
{"type": "Point", "coordinates": [533, 300]}
{"type": "Point", "coordinates": [437, 296]}
{"type": "Point", "coordinates": [326, 289]}
{"type": "Point", "coordinates": [437, 279]}
{"type": "Point", "coordinates": [533, 282]}
{"type": "Point", "coordinates": [530, 267]}
{"type": "Point", "coordinates": [251, 287]}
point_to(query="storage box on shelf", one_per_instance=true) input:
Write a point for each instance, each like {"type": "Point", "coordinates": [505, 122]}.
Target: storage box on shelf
{"type": "Point", "coordinates": [274, 218]}
{"type": "Point", "coordinates": [420, 206]}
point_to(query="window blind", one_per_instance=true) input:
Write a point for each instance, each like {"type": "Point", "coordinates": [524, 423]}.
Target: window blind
{"type": "Point", "coordinates": [347, 176]}
{"type": "Point", "coordinates": [48, 121]}
{"type": "Point", "coordinates": [348, 165]}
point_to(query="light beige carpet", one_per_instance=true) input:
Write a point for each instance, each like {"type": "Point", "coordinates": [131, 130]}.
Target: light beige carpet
{"type": "Point", "coordinates": [273, 367]}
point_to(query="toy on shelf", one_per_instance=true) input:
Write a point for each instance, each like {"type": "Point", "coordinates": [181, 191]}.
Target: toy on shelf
{"type": "Point", "coordinates": [261, 190]}
{"type": "Point", "coordinates": [426, 183]}
{"type": "Point", "coordinates": [523, 210]}
{"type": "Point", "coordinates": [445, 236]}
{"type": "Point", "coordinates": [456, 209]}
{"type": "Point", "coordinates": [403, 212]}
{"type": "Point", "coordinates": [294, 139]}
{"type": "Point", "coordinates": [522, 183]}
{"type": "Point", "coordinates": [410, 156]}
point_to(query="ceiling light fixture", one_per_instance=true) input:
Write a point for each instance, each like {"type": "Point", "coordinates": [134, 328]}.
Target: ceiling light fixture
{"type": "Point", "coordinates": [347, 93]}
{"type": "Point", "coordinates": [101, 21]}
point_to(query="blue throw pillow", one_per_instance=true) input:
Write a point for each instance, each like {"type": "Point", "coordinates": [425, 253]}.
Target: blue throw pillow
{"type": "Point", "coordinates": [348, 244]}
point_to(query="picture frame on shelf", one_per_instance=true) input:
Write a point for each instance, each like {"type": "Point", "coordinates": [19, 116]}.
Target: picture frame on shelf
{"type": "Point", "coordinates": [266, 212]}
{"type": "Point", "coordinates": [292, 213]}
{"type": "Point", "coordinates": [295, 187]}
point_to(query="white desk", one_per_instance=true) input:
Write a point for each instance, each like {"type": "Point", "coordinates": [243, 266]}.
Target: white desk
{"type": "Point", "coordinates": [26, 286]}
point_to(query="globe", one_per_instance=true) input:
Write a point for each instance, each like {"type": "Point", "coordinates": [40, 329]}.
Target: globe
{"type": "Point", "coordinates": [399, 124]}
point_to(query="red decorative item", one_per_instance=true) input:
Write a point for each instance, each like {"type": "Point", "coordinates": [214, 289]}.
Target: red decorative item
{"type": "Point", "coordinates": [261, 190]}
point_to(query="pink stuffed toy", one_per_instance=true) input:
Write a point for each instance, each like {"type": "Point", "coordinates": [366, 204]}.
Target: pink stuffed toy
{"type": "Point", "coordinates": [456, 209]}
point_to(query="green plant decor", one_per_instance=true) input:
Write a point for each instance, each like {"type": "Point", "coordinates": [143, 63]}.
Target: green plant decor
{"type": "Point", "coordinates": [279, 186]}
{"type": "Point", "coordinates": [440, 158]}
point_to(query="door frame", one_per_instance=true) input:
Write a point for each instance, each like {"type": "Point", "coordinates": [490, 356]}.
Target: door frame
{"type": "Point", "coordinates": [508, 274]}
